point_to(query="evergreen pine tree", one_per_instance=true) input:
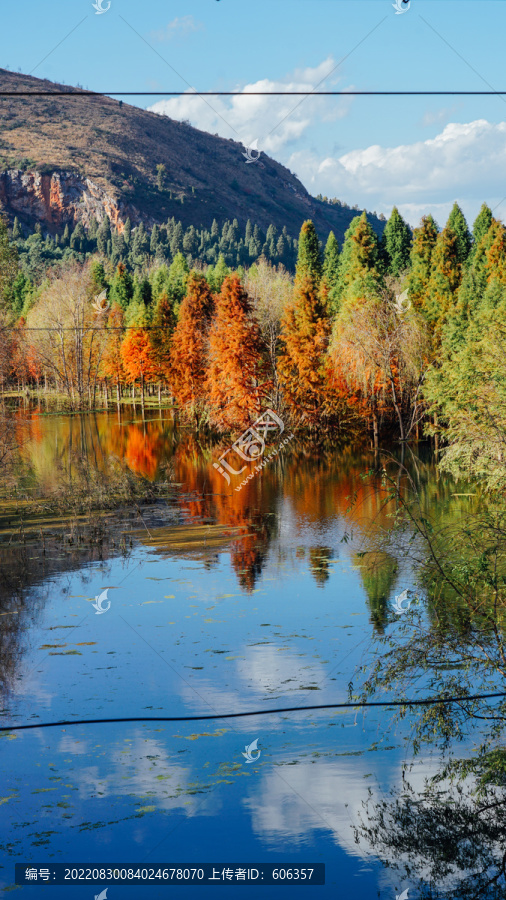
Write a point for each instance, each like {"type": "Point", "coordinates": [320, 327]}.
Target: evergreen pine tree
{"type": "Point", "coordinates": [424, 241]}
{"type": "Point", "coordinates": [481, 225]}
{"type": "Point", "coordinates": [176, 241]}
{"type": "Point", "coordinates": [218, 274]}
{"type": "Point", "coordinates": [155, 239]}
{"type": "Point", "coordinates": [142, 291]}
{"type": "Point", "coordinates": [139, 244]}
{"type": "Point", "coordinates": [122, 289]}
{"type": "Point", "coordinates": [309, 260]}
{"type": "Point", "coordinates": [359, 259]}
{"type": "Point", "coordinates": [93, 229]}
{"type": "Point", "coordinates": [458, 224]}
{"type": "Point", "coordinates": [190, 241]}
{"type": "Point", "coordinates": [330, 279]}
{"type": "Point", "coordinates": [127, 231]}
{"type": "Point", "coordinates": [178, 278]}
{"type": "Point", "coordinates": [396, 243]}
{"type": "Point", "coordinates": [8, 264]}
{"type": "Point", "coordinates": [439, 303]}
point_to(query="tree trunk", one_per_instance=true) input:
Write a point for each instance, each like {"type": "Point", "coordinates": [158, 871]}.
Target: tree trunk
{"type": "Point", "coordinates": [159, 394]}
{"type": "Point", "coordinates": [142, 394]}
{"type": "Point", "coordinates": [375, 429]}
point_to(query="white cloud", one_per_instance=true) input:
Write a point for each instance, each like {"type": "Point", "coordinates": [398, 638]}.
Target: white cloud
{"type": "Point", "coordinates": [179, 27]}
{"type": "Point", "coordinates": [438, 116]}
{"type": "Point", "coordinates": [465, 162]}
{"type": "Point", "coordinates": [272, 121]}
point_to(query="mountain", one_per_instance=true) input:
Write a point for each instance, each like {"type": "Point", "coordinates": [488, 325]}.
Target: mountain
{"type": "Point", "coordinates": [65, 159]}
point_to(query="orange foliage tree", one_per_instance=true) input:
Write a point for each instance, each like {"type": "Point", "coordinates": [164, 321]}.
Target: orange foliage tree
{"type": "Point", "coordinates": [188, 353]}
{"type": "Point", "coordinates": [136, 355]}
{"type": "Point", "coordinates": [236, 369]}
{"type": "Point", "coordinates": [112, 361]}
{"type": "Point", "coordinates": [303, 370]}
{"type": "Point", "coordinates": [160, 336]}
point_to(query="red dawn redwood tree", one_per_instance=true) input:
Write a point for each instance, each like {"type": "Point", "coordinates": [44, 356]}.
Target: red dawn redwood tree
{"type": "Point", "coordinates": [235, 377]}
{"type": "Point", "coordinates": [188, 352]}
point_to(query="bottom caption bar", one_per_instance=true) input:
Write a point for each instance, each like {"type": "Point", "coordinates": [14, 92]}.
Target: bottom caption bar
{"type": "Point", "coordinates": [204, 873]}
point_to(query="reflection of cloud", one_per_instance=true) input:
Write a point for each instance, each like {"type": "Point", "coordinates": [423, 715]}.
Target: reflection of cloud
{"type": "Point", "coordinates": [329, 795]}
{"type": "Point", "coordinates": [145, 771]}
{"type": "Point", "coordinates": [72, 745]}
{"type": "Point", "coordinates": [260, 671]}
{"type": "Point", "coordinates": [253, 118]}
{"type": "Point", "coordinates": [270, 668]}
{"type": "Point", "coordinates": [307, 798]}
{"type": "Point", "coordinates": [293, 803]}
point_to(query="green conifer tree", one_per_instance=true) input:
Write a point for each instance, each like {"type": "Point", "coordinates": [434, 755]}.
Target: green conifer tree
{"type": "Point", "coordinates": [330, 279]}
{"type": "Point", "coordinates": [17, 233]}
{"type": "Point", "coordinates": [309, 259]}
{"type": "Point", "coordinates": [424, 241]}
{"type": "Point", "coordinates": [481, 225]}
{"type": "Point", "coordinates": [396, 244]}
{"type": "Point", "coordinates": [8, 264]}
{"type": "Point", "coordinates": [440, 302]}
{"type": "Point", "coordinates": [457, 222]}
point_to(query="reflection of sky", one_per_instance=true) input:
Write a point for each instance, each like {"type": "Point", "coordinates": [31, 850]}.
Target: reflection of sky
{"type": "Point", "coordinates": [182, 639]}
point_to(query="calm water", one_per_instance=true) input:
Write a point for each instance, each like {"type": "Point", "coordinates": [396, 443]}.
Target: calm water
{"type": "Point", "coordinates": [282, 616]}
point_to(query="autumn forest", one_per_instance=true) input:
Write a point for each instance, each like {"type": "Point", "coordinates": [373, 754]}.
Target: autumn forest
{"type": "Point", "coordinates": [374, 337]}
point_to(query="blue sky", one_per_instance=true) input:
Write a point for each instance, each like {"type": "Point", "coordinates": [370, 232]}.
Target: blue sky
{"type": "Point", "coordinates": [421, 153]}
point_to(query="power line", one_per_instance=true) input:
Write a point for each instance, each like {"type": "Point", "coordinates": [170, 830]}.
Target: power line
{"type": "Point", "coordinates": [84, 328]}
{"type": "Point", "coordinates": [80, 94]}
{"type": "Point", "coordinates": [258, 712]}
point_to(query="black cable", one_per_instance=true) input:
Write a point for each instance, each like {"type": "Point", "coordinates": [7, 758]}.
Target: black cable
{"type": "Point", "coordinates": [258, 712]}
{"type": "Point", "coordinates": [73, 93]}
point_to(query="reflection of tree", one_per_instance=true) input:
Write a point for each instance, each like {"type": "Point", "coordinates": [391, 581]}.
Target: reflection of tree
{"type": "Point", "coordinates": [452, 840]}
{"type": "Point", "coordinates": [319, 564]}
{"type": "Point", "coordinates": [208, 497]}
{"type": "Point", "coordinates": [23, 569]}
{"type": "Point", "coordinates": [378, 571]}
{"type": "Point", "coordinates": [452, 834]}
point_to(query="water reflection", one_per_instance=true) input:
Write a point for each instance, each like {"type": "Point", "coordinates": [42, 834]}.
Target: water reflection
{"type": "Point", "coordinates": [302, 592]}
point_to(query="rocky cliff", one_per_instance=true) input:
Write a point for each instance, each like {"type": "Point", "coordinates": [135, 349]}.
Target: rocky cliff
{"type": "Point", "coordinates": [60, 198]}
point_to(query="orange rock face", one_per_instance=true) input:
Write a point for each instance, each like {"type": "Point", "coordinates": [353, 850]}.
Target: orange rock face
{"type": "Point", "coordinates": [60, 198]}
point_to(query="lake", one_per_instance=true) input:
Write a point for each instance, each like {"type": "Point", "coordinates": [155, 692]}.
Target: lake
{"type": "Point", "coordinates": [279, 608]}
